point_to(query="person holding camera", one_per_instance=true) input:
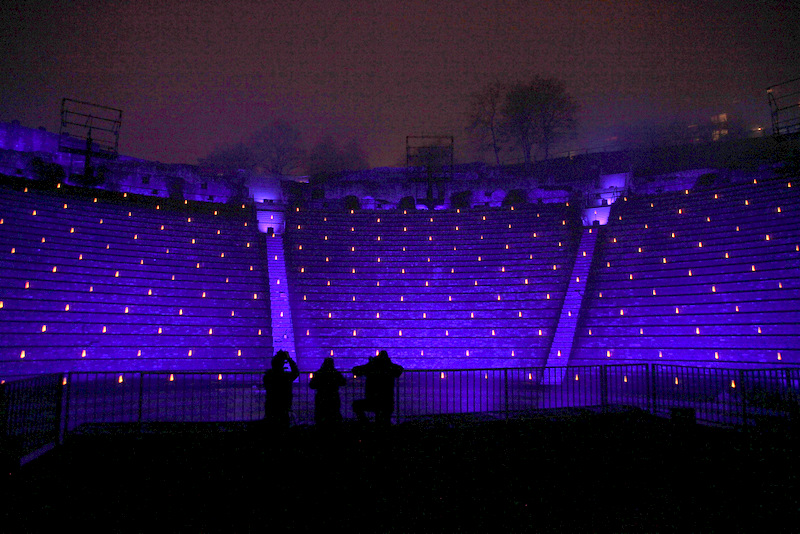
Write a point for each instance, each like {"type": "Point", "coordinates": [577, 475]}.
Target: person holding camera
{"type": "Point", "coordinates": [380, 373]}
{"type": "Point", "coordinates": [327, 402]}
{"type": "Point", "coordinates": [278, 384]}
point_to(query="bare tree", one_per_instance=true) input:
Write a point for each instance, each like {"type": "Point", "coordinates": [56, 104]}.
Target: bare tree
{"type": "Point", "coordinates": [228, 159]}
{"type": "Point", "coordinates": [327, 158]}
{"type": "Point", "coordinates": [538, 113]}
{"type": "Point", "coordinates": [353, 156]}
{"type": "Point", "coordinates": [277, 148]}
{"type": "Point", "coordinates": [486, 120]}
{"type": "Point", "coordinates": [227, 164]}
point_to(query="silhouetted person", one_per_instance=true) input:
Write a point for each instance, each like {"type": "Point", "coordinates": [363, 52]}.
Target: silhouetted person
{"type": "Point", "coordinates": [327, 403]}
{"type": "Point", "coordinates": [278, 383]}
{"type": "Point", "coordinates": [380, 373]}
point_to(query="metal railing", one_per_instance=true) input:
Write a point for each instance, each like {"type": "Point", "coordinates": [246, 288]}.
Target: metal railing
{"type": "Point", "coordinates": [30, 415]}
{"type": "Point", "coordinates": [728, 397]}
{"type": "Point", "coordinates": [147, 397]}
{"type": "Point", "coordinates": [38, 412]}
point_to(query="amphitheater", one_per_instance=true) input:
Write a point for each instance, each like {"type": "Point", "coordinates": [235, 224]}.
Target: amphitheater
{"type": "Point", "coordinates": [127, 300]}
{"type": "Point", "coordinates": [570, 332]}
{"type": "Point", "coordinates": [102, 281]}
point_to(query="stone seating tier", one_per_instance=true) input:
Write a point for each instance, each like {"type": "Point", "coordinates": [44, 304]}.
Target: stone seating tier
{"type": "Point", "coordinates": [429, 264]}
{"type": "Point", "coordinates": [685, 355]}
{"type": "Point", "coordinates": [134, 273]}
{"type": "Point", "coordinates": [735, 294]}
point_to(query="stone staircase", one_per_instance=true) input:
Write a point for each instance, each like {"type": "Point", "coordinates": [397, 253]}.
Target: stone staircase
{"type": "Point", "coordinates": [568, 321]}
{"type": "Point", "coordinates": [282, 330]}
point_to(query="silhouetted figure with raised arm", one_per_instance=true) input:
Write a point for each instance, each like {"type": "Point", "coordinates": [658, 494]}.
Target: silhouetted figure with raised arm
{"type": "Point", "coordinates": [380, 374]}
{"type": "Point", "coordinates": [278, 383]}
{"type": "Point", "coordinates": [327, 403]}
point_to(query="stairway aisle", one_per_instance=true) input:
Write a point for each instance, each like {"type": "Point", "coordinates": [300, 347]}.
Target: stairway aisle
{"type": "Point", "coordinates": [568, 320]}
{"type": "Point", "coordinates": [282, 330]}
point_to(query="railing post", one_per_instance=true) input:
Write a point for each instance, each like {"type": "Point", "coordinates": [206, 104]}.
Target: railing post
{"type": "Point", "coordinates": [743, 398]}
{"type": "Point", "coordinates": [793, 402]}
{"type": "Point", "coordinates": [58, 415]}
{"type": "Point", "coordinates": [141, 392]}
{"type": "Point", "coordinates": [651, 375]}
{"type": "Point", "coordinates": [604, 388]}
{"type": "Point", "coordinates": [4, 411]}
{"type": "Point", "coordinates": [66, 405]}
{"type": "Point", "coordinates": [505, 391]}
{"type": "Point", "coordinates": [789, 399]}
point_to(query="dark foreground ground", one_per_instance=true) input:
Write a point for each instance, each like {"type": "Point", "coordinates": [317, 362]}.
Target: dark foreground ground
{"type": "Point", "coordinates": [581, 472]}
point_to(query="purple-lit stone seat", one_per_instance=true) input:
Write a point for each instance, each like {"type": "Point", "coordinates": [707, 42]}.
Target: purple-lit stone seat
{"type": "Point", "coordinates": [408, 285]}
{"type": "Point", "coordinates": [722, 291]}
{"type": "Point", "coordinates": [132, 274]}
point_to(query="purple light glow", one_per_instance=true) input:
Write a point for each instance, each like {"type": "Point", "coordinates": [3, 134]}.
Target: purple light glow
{"type": "Point", "coordinates": [191, 80]}
{"type": "Point", "coordinates": [412, 284]}
{"type": "Point", "coordinates": [455, 289]}
{"type": "Point", "coordinates": [147, 289]}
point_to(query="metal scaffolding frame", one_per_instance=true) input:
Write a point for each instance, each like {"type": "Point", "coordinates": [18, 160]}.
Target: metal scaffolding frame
{"type": "Point", "coordinates": [784, 105]}
{"type": "Point", "coordinates": [88, 129]}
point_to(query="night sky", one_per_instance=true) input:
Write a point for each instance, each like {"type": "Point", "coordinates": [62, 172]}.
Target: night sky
{"type": "Point", "coordinates": [191, 76]}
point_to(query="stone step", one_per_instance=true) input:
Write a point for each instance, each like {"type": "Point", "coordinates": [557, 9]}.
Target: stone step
{"type": "Point", "coordinates": [567, 323]}
{"type": "Point", "coordinates": [282, 329]}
